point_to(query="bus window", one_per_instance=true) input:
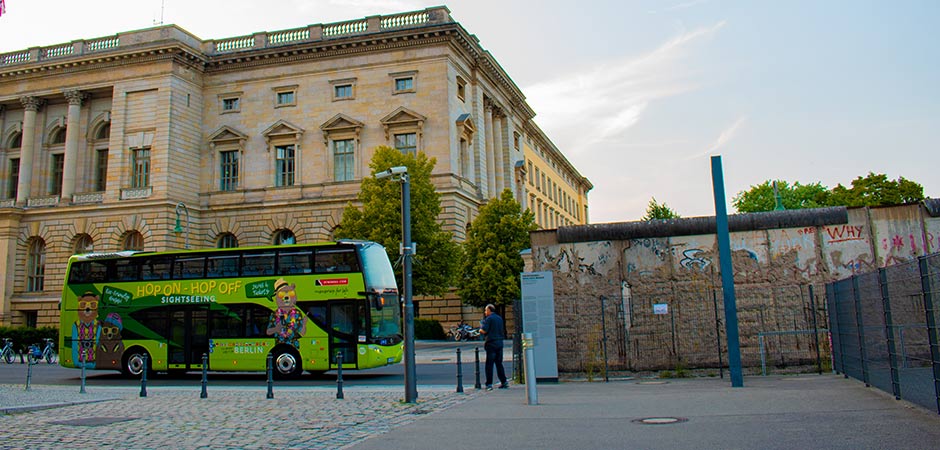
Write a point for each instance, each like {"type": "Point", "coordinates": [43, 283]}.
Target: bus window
{"type": "Point", "coordinates": [336, 260]}
{"type": "Point", "coordinates": [189, 267]}
{"type": "Point", "coordinates": [127, 270]}
{"type": "Point", "coordinates": [222, 266]}
{"type": "Point", "coordinates": [89, 272]}
{"type": "Point", "coordinates": [293, 262]}
{"type": "Point", "coordinates": [256, 264]}
{"type": "Point", "coordinates": [154, 268]}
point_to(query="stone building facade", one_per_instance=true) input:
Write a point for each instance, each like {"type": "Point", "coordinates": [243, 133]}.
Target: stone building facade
{"type": "Point", "coordinates": [646, 296]}
{"type": "Point", "coordinates": [106, 144]}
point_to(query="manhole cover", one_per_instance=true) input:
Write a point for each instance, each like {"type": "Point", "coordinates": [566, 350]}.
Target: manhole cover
{"type": "Point", "coordinates": [659, 420]}
{"type": "Point", "coordinates": [92, 421]}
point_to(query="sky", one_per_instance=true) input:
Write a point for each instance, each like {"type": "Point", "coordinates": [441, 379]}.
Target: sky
{"type": "Point", "coordinates": [640, 94]}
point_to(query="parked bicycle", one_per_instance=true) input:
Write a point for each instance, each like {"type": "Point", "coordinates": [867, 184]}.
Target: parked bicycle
{"type": "Point", "coordinates": [48, 353]}
{"type": "Point", "coordinates": [7, 354]}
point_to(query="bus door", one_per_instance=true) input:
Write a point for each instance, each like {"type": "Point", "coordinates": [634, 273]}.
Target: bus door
{"type": "Point", "coordinates": [344, 319]}
{"type": "Point", "coordinates": [189, 338]}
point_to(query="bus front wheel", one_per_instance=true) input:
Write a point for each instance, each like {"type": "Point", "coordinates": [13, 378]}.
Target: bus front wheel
{"type": "Point", "coordinates": [134, 365]}
{"type": "Point", "coordinates": [287, 363]}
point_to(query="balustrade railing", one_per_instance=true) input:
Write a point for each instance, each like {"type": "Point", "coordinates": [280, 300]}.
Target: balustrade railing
{"type": "Point", "coordinates": [88, 197]}
{"type": "Point", "coordinates": [36, 202]}
{"type": "Point", "coordinates": [310, 33]}
{"type": "Point", "coordinates": [134, 193]}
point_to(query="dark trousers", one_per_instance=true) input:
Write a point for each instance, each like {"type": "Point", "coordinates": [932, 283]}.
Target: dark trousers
{"type": "Point", "coordinates": [494, 357]}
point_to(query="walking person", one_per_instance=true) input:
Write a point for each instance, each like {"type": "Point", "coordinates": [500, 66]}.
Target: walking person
{"type": "Point", "coordinates": [493, 329]}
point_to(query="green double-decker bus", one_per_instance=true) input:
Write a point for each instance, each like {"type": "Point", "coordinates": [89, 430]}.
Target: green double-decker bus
{"type": "Point", "coordinates": [302, 304]}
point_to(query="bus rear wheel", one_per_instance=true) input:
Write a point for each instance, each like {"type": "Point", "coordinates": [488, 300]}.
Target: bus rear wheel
{"type": "Point", "coordinates": [287, 363]}
{"type": "Point", "coordinates": [133, 364]}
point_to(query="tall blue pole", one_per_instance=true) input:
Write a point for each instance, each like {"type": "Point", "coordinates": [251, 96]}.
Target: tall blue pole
{"type": "Point", "coordinates": [727, 274]}
{"type": "Point", "coordinates": [411, 389]}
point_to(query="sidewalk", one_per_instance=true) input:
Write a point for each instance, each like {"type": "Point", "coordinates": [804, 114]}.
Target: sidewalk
{"type": "Point", "coordinates": [810, 411]}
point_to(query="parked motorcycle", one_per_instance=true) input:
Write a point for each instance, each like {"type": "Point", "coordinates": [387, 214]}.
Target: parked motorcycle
{"type": "Point", "coordinates": [464, 332]}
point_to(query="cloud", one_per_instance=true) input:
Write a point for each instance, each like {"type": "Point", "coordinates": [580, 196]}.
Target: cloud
{"type": "Point", "coordinates": [679, 7]}
{"type": "Point", "coordinates": [722, 141]}
{"type": "Point", "coordinates": [601, 102]}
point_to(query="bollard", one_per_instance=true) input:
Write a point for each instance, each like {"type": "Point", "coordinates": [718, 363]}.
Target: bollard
{"type": "Point", "coordinates": [339, 375]}
{"type": "Point", "coordinates": [459, 373]}
{"type": "Point", "coordinates": [476, 371]}
{"type": "Point", "coordinates": [29, 371]}
{"type": "Point", "coordinates": [143, 376]}
{"type": "Point", "coordinates": [270, 375]}
{"type": "Point", "coordinates": [531, 394]}
{"type": "Point", "coordinates": [82, 390]}
{"type": "Point", "coordinates": [205, 375]}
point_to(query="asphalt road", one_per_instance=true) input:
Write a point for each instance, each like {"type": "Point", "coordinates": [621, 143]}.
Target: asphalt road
{"type": "Point", "coordinates": [435, 365]}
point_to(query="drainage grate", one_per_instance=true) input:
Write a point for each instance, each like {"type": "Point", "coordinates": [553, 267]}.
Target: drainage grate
{"type": "Point", "coordinates": [92, 421]}
{"type": "Point", "coordinates": [660, 420]}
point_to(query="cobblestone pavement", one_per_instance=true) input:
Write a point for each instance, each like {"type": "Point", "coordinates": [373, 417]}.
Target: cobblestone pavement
{"type": "Point", "coordinates": [227, 418]}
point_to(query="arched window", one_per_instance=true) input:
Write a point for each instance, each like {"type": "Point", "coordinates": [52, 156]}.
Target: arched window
{"type": "Point", "coordinates": [227, 240]}
{"type": "Point", "coordinates": [284, 237]}
{"type": "Point", "coordinates": [58, 137]}
{"type": "Point", "coordinates": [104, 132]}
{"type": "Point", "coordinates": [36, 265]}
{"type": "Point", "coordinates": [83, 244]}
{"type": "Point", "coordinates": [133, 240]}
{"type": "Point", "coordinates": [16, 141]}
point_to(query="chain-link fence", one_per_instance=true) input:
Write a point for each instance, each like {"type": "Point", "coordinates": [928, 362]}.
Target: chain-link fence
{"type": "Point", "coordinates": [884, 329]}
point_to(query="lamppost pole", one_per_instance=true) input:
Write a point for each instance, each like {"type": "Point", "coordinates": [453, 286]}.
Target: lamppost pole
{"type": "Point", "coordinates": [179, 229]}
{"type": "Point", "coordinates": [411, 389]}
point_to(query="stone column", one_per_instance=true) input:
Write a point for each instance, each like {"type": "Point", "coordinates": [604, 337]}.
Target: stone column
{"type": "Point", "coordinates": [31, 105]}
{"type": "Point", "coordinates": [498, 163]}
{"type": "Point", "coordinates": [490, 157]}
{"type": "Point", "coordinates": [72, 126]}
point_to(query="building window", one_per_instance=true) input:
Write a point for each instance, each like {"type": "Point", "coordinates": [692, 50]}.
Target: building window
{"type": "Point", "coordinates": [83, 244]}
{"type": "Point", "coordinates": [515, 140]}
{"type": "Point", "coordinates": [403, 82]}
{"type": "Point", "coordinates": [284, 237]}
{"type": "Point", "coordinates": [344, 89]}
{"type": "Point", "coordinates": [284, 166]}
{"type": "Point", "coordinates": [101, 169]}
{"type": "Point", "coordinates": [36, 265]}
{"type": "Point", "coordinates": [529, 165]}
{"type": "Point", "coordinates": [227, 240]}
{"type": "Point", "coordinates": [344, 159]}
{"type": "Point", "coordinates": [538, 187]}
{"type": "Point", "coordinates": [58, 138]}
{"type": "Point", "coordinates": [140, 176]}
{"type": "Point", "coordinates": [31, 318]}
{"type": "Point", "coordinates": [461, 89]}
{"type": "Point", "coordinates": [285, 96]}
{"type": "Point", "coordinates": [464, 159]}
{"type": "Point", "coordinates": [133, 240]}
{"type": "Point", "coordinates": [228, 170]}
{"type": "Point", "coordinates": [58, 167]}
{"type": "Point", "coordinates": [230, 102]}
{"type": "Point", "coordinates": [14, 177]}
{"type": "Point", "coordinates": [16, 142]}
{"type": "Point", "coordinates": [104, 133]}
{"type": "Point", "coordinates": [406, 143]}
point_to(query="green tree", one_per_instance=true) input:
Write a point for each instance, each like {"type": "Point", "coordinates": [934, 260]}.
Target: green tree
{"type": "Point", "coordinates": [877, 190]}
{"type": "Point", "coordinates": [761, 197]}
{"type": "Point", "coordinates": [659, 211]}
{"type": "Point", "coordinates": [492, 262]}
{"type": "Point", "coordinates": [437, 257]}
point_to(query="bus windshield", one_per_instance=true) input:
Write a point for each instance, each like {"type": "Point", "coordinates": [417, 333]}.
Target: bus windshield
{"type": "Point", "coordinates": [380, 283]}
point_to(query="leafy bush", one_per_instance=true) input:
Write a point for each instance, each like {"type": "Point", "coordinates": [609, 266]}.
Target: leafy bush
{"type": "Point", "coordinates": [428, 329]}
{"type": "Point", "coordinates": [24, 336]}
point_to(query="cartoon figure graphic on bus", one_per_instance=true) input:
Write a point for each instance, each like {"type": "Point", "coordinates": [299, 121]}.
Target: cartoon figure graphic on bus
{"type": "Point", "coordinates": [287, 324]}
{"type": "Point", "coordinates": [111, 348]}
{"type": "Point", "coordinates": [86, 331]}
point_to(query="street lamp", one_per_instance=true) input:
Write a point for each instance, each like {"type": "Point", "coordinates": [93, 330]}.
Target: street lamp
{"type": "Point", "coordinates": [179, 229]}
{"type": "Point", "coordinates": [401, 172]}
